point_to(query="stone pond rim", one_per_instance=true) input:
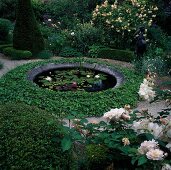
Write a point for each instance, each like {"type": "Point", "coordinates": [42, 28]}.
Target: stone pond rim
{"type": "Point", "coordinates": [97, 67]}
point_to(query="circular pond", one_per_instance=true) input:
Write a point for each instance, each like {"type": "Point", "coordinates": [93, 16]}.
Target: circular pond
{"type": "Point", "coordinates": [75, 77]}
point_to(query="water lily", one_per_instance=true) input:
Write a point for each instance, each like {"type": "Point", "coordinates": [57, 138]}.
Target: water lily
{"type": "Point", "coordinates": [97, 76]}
{"type": "Point", "coordinates": [48, 78]}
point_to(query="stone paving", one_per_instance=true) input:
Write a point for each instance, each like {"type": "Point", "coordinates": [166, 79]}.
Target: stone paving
{"type": "Point", "coordinates": [152, 108]}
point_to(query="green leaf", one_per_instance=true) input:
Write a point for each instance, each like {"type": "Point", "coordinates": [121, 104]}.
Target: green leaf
{"type": "Point", "coordinates": [66, 143]}
{"type": "Point", "coordinates": [142, 160]}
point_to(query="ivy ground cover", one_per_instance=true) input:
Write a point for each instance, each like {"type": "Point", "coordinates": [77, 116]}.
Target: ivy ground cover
{"type": "Point", "coordinates": [15, 87]}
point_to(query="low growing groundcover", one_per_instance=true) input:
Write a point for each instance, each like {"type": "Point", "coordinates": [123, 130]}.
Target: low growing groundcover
{"type": "Point", "coordinates": [15, 87]}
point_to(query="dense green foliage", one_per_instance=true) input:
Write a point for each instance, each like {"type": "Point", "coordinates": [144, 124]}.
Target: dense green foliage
{"type": "Point", "coordinates": [97, 156]}
{"type": "Point", "coordinates": [27, 35]}
{"type": "Point", "coordinates": [5, 26]}
{"type": "Point", "coordinates": [14, 86]}
{"type": "Point", "coordinates": [17, 54]}
{"type": "Point", "coordinates": [45, 54]}
{"type": "Point", "coordinates": [70, 52]}
{"type": "Point", "coordinates": [26, 139]}
{"type": "Point", "coordinates": [115, 54]}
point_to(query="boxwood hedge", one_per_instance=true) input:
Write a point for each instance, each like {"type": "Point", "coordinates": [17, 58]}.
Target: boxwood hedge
{"type": "Point", "coordinates": [14, 86]}
{"type": "Point", "coordinates": [30, 139]}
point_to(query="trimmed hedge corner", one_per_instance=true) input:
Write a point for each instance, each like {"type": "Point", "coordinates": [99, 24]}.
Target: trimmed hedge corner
{"type": "Point", "coordinates": [26, 139]}
{"type": "Point", "coordinates": [122, 55]}
{"type": "Point", "coordinates": [2, 47]}
{"type": "Point", "coordinates": [16, 87]}
{"type": "Point", "coordinates": [17, 54]}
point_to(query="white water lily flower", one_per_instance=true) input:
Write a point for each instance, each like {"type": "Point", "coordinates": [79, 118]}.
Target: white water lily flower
{"type": "Point", "coordinates": [114, 113]}
{"type": "Point", "coordinates": [97, 76]}
{"type": "Point", "coordinates": [48, 78]}
{"type": "Point", "coordinates": [147, 146]}
{"type": "Point", "coordinates": [155, 154]}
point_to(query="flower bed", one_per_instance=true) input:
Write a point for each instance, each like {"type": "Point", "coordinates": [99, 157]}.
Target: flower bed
{"type": "Point", "coordinates": [15, 87]}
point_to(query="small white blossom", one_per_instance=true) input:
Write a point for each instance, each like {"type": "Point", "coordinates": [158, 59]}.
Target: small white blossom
{"type": "Point", "coordinates": [126, 141]}
{"type": "Point", "coordinates": [72, 33]}
{"type": "Point", "coordinates": [49, 20]}
{"type": "Point", "coordinates": [88, 76]}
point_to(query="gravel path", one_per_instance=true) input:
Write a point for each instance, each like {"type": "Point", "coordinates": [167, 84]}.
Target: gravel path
{"type": "Point", "coordinates": [153, 108]}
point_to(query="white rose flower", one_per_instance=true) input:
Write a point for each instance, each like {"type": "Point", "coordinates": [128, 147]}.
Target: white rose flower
{"type": "Point", "coordinates": [114, 113]}
{"type": "Point", "coordinates": [147, 146]}
{"type": "Point", "coordinates": [169, 146]}
{"type": "Point", "coordinates": [166, 167]}
{"type": "Point", "coordinates": [155, 129]}
{"type": "Point", "coordinates": [169, 133]}
{"type": "Point", "coordinates": [155, 154]}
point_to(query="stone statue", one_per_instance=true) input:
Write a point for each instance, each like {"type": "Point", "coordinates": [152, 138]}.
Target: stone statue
{"type": "Point", "coordinates": [141, 44]}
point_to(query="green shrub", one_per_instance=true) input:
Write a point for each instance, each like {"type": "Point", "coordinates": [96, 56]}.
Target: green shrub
{"type": "Point", "coordinates": [85, 35]}
{"type": "Point", "coordinates": [97, 156]}
{"type": "Point", "coordinates": [5, 26]}
{"type": "Point", "coordinates": [26, 139]}
{"type": "Point", "coordinates": [15, 87]}
{"type": "Point", "coordinates": [70, 52]}
{"type": "Point", "coordinates": [56, 42]}
{"type": "Point", "coordinates": [45, 54]}
{"type": "Point", "coordinates": [159, 38]}
{"type": "Point", "coordinates": [2, 47]}
{"type": "Point", "coordinates": [154, 61]}
{"type": "Point", "coordinates": [27, 35]}
{"type": "Point", "coordinates": [122, 55]}
{"type": "Point", "coordinates": [17, 54]}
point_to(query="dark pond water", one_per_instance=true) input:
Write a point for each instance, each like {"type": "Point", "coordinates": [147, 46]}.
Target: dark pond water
{"type": "Point", "coordinates": [74, 79]}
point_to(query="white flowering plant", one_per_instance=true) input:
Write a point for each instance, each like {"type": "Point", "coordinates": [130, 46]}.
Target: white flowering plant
{"type": "Point", "coordinates": [122, 20]}
{"type": "Point", "coordinates": [137, 138]}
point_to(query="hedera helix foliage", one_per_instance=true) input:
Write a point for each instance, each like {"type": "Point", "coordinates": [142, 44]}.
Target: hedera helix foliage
{"type": "Point", "coordinates": [14, 86]}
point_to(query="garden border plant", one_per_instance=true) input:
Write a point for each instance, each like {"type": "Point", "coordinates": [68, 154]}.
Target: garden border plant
{"type": "Point", "coordinates": [14, 86]}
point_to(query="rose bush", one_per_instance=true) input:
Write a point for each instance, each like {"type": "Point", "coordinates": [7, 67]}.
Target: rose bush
{"type": "Point", "coordinates": [122, 20]}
